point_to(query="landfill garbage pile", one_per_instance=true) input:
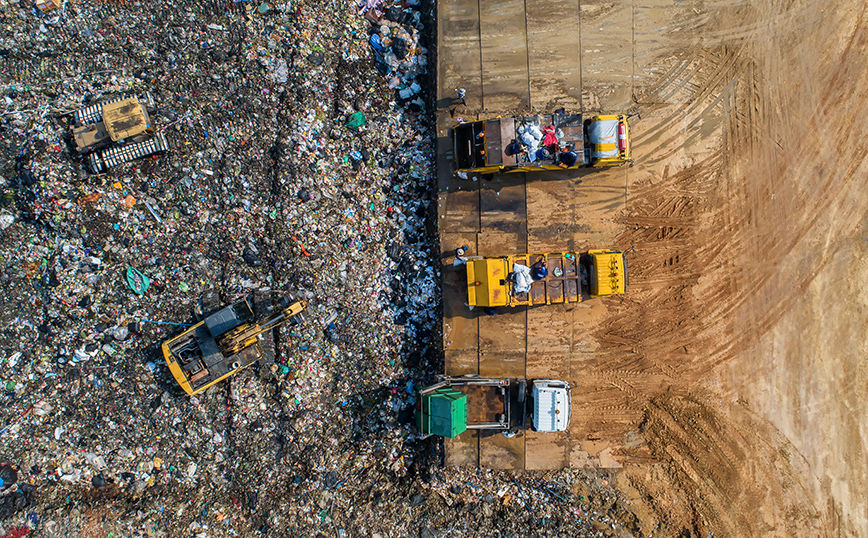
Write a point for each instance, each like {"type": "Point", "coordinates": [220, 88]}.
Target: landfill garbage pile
{"type": "Point", "coordinates": [398, 53]}
{"type": "Point", "coordinates": [297, 164]}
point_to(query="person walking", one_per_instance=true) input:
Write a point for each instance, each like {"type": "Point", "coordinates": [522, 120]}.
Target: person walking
{"type": "Point", "coordinates": [460, 257]}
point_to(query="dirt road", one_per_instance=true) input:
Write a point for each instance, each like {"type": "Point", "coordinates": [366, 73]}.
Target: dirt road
{"type": "Point", "coordinates": [730, 382]}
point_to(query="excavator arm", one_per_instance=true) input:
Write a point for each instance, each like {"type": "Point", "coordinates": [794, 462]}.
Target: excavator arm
{"type": "Point", "coordinates": [246, 335]}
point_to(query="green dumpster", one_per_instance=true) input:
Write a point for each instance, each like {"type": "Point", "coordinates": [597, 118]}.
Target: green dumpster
{"type": "Point", "coordinates": [443, 413]}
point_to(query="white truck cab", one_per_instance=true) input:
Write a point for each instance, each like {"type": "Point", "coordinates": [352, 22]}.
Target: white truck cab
{"type": "Point", "coordinates": [551, 405]}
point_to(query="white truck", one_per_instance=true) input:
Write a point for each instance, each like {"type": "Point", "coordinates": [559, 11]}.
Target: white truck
{"type": "Point", "coordinates": [551, 404]}
{"type": "Point", "coordinates": [457, 404]}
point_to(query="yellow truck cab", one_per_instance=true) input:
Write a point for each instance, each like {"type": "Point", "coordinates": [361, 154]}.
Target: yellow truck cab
{"type": "Point", "coordinates": [519, 144]}
{"type": "Point", "coordinates": [609, 140]}
{"type": "Point", "coordinates": [510, 280]}
{"type": "Point", "coordinates": [608, 272]}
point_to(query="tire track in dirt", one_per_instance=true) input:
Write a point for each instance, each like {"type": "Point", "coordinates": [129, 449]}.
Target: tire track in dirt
{"type": "Point", "coordinates": [744, 128]}
{"type": "Point", "coordinates": [707, 67]}
{"type": "Point", "coordinates": [743, 216]}
{"type": "Point", "coordinates": [719, 471]}
{"type": "Point", "coordinates": [787, 21]}
{"type": "Point", "coordinates": [676, 79]}
{"type": "Point", "coordinates": [785, 239]}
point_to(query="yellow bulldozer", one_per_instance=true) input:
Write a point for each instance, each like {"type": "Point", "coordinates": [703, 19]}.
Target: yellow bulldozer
{"type": "Point", "coordinates": [224, 343]}
{"type": "Point", "coordinates": [115, 131]}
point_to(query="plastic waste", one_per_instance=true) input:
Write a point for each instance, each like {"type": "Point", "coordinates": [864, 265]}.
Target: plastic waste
{"type": "Point", "coordinates": [137, 281]}
{"type": "Point", "coordinates": [356, 121]}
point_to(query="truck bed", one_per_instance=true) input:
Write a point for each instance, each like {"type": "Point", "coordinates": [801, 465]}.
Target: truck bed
{"type": "Point", "coordinates": [485, 404]}
{"type": "Point", "coordinates": [499, 133]}
{"type": "Point", "coordinates": [551, 289]}
{"type": "Point", "coordinates": [484, 143]}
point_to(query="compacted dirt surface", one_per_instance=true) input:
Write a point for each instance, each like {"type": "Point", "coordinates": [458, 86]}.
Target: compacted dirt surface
{"type": "Point", "coordinates": [746, 210]}
{"type": "Point", "coordinates": [728, 385]}
{"type": "Point", "coordinates": [748, 277]}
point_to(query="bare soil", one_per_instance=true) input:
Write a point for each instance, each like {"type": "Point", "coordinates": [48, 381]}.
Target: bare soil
{"type": "Point", "coordinates": [746, 210]}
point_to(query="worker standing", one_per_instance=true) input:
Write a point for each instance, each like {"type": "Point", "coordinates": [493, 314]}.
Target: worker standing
{"type": "Point", "coordinates": [460, 257]}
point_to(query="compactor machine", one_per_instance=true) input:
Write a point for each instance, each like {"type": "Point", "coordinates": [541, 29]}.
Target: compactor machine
{"type": "Point", "coordinates": [112, 132]}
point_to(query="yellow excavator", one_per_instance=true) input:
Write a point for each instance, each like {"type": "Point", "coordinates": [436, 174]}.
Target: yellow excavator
{"type": "Point", "coordinates": [224, 343]}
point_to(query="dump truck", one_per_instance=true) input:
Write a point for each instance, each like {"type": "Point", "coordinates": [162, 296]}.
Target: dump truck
{"type": "Point", "coordinates": [486, 146]}
{"type": "Point", "coordinates": [116, 131]}
{"type": "Point", "coordinates": [509, 280]}
{"type": "Point", "coordinates": [224, 343]}
{"type": "Point", "coordinates": [457, 404]}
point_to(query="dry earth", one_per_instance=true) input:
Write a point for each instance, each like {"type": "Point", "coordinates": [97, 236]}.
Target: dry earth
{"type": "Point", "coordinates": [746, 218]}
